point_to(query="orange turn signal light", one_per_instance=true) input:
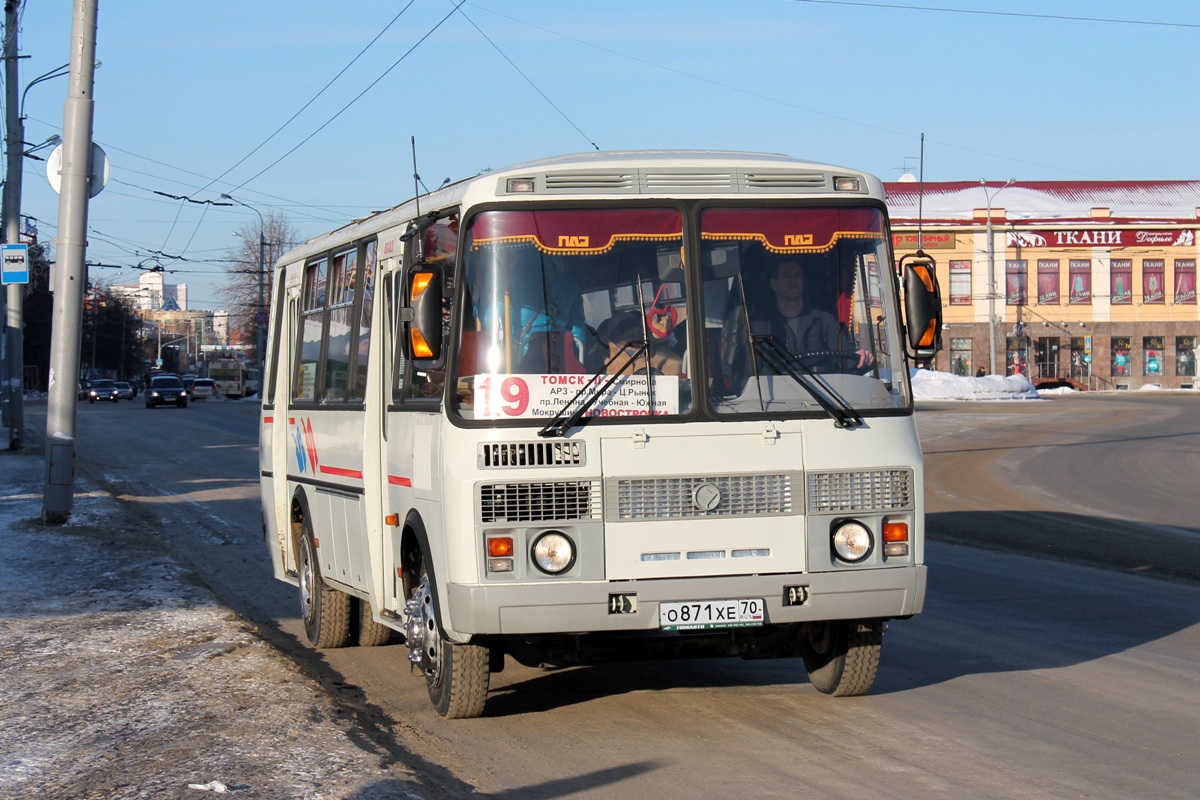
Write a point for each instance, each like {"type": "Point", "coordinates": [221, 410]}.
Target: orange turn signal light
{"type": "Point", "coordinates": [500, 546]}
{"type": "Point", "coordinates": [420, 347]}
{"type": "Point", "coordinates": [420, 282]}
{"type": "Point", "coordinates": [392, 519]}
{"type": "Point", "coordinates": [895, 531]}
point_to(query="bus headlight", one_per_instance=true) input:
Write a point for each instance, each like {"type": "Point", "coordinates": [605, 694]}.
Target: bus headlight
{"type": "Point", "coordinates": [852, 541]}
{"type": "Point", "coordinates": [553, 552]}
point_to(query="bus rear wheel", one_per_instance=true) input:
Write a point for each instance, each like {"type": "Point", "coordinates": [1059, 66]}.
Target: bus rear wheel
{"type": "Point", "coordinates": [370, 633]}
{"type": "Point", "coordinates": [842, 656]}
{"type": "Point", "coordinates": [456, 675]}
{"type": "Point", "coordinates": [325, 611]}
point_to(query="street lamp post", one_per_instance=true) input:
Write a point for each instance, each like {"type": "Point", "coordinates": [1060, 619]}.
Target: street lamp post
{"type": "Point", "coordinates": [991, 245]}
{"type": "Point", "coordinates": [15, 296]}
{"type": "Point", "coordinates": [259, 344]}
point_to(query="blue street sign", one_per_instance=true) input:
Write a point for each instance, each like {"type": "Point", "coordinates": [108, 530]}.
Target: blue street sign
{"type": "Point", "coordinates": [15, 258]}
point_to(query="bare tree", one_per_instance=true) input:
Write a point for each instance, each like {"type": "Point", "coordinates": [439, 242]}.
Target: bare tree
{"type": "Point", "coordinates": [241, 291]}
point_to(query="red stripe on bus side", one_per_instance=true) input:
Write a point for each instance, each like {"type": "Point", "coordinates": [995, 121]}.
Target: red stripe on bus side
{"type": "Point", "coordinates": [268, 420]}
{"type": "Point", "coordinates": [396, 480]}
{"type": "Point", "coordinates": [341, 473]}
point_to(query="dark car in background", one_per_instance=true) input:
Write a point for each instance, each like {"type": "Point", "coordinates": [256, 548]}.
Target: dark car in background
{"type": "Point", "coordinates": [103, 389]}
{"type": "Point", "coordinates": [166, 389]}
{"type": "Point", "coordinates": [125, 390]}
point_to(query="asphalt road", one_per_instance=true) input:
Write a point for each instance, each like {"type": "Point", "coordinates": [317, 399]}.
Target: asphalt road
{"type": "Point", "coordinates": [1069, 674]}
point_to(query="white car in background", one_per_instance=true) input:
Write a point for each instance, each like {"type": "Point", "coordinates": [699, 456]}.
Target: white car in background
{"type": "Point", "coordinates": [202, 388]}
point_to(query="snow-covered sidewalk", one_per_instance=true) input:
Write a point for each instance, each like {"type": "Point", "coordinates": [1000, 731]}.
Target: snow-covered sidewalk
{"type": "Point", "coordinates": [123, 677]}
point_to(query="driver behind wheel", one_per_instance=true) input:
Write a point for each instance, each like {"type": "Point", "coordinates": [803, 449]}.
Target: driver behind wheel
{"type": "Point", "coordinates": [804, 329]}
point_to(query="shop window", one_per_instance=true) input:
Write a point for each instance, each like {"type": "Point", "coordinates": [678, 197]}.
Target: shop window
{"type": "Point", "coordinates": [1080, 274]}
{"type": "Point", "coordinates": [960, 356]}
{"type": "Point", "coordinates": [1152, 281]}
{"type": "Point", "coordinates": [1152, 356]}
{"type": "Point", "coordinates": [1121, 287]}
{"type": "Point", "coordinates": [1185, 356]}
{"type": "Point", "coordinates": [1121, 360]}
{"type": "Point", "coordinates": [1185, 281]}
{"type": "Point", "coordinates": [960, 283]}
{"type": "Point", "coordinates": [1017, 355]}
{"type": "Point", "coordinates": [1016, 282]}
{"type": "Point", "coordinates": [1047, 281]}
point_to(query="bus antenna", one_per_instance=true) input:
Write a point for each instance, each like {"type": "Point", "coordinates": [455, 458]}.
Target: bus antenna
{"type": "Point", "coordinates": [921, 195]}
{"type": "Point", "coordinates": [417, 199]}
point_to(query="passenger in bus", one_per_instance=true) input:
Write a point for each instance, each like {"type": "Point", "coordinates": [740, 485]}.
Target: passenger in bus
{"type": "Point", "coordinates": [802, 328]}
{"type": "Point", "coordinates": [540, 313]}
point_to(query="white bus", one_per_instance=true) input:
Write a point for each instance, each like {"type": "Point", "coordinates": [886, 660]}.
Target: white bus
{"type": "Point", "coordinates": [229, 377]}
{"type": "Point", "coordinates": [606, 406]}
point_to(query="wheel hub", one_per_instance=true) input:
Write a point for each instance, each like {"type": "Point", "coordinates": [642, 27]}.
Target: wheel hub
{"type": "Point", "coordinates": [420, 628]}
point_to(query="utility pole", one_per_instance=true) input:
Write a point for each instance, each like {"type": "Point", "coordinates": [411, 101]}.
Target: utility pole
{"type": "Point", "coordinates": [12, 370]}
{"type": "Point", "coordinates": [70, 275]}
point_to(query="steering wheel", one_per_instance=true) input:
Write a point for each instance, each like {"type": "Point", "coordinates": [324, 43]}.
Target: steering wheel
{"type": "Point", "coordinates": [844, 361]}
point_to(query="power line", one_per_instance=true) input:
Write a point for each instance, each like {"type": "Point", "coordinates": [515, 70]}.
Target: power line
{"type": "Point", "coordinates": [356, 98]}
{"type": "Point", "coordinates": [528, 80]}
{"type": "Point", "coordinates": [1020, 14]}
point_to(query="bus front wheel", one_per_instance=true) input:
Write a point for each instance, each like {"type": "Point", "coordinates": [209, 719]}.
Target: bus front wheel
{"type": "Point", "coordinates": [325, 611]}
{"type": "Point", "coordinates": [456, 675]}
{"type": "Point", "coordinates": [842, 656]}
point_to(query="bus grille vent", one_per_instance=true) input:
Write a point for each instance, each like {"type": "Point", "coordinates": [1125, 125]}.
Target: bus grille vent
{"type": "Point", "coordinates": [687, 181]}
{"type": "Point", "coordinates": [499, 455]}
{"type": "Point", "coordinates": [865, 490]}
{"type": "Point", "coordinates": [779, 181]}
{"type": "Point", "coordinates": [683, 497]}
{"type": "Point", "coordinates": [590, 182]}
{"type": "Point", "coordinates": [539, 502]}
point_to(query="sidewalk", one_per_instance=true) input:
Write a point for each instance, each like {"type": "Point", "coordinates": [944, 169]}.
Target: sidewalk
{"type": "Point", "coordinates": [121, 676]}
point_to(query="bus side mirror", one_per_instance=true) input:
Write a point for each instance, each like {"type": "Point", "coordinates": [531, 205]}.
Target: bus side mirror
{"type": "Point", "coordinates": [424, 340]}
{"type": "Point", "coordinates": [922, 305]}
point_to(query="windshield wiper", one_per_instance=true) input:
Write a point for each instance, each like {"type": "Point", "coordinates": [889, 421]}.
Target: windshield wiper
{"type": "Point", "coordinates": [560, 423]}
{"type": "Point", "coordinates": [784, 362]}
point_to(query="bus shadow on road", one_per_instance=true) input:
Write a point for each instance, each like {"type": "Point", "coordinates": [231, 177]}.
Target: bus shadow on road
{"type": "Point", "coordinates": [1065, 592]}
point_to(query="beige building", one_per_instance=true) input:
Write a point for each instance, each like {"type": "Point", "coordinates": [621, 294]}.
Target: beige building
{"type": "Point", "coordinates": [1091, 282]}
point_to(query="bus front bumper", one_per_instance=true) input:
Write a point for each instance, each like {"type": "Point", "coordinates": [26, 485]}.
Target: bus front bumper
{"type": "Point", "coordinates": [550, 608]}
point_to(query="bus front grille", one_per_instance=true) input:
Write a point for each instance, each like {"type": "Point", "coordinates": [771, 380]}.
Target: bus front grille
{"type": "Point", "coordinates": [700, 496]}
{"type": "Point", "coordinates": [495, 455]}
{"type": "Point", "coordinates": [542, 501]}
{"type": "Point", "coordinates": [860, 490]}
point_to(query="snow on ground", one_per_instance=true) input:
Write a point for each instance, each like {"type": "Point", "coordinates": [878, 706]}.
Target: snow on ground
{"type": "Point", "coordinates": [929, 385]}
{"type": "Point", "coordinates": [122, 677]}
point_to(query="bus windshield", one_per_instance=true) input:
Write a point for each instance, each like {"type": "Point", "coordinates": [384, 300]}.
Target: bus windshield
{"type": "Point", "coordinates": [562, 308]}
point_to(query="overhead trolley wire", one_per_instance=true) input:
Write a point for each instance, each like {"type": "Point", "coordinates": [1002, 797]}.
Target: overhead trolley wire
{"type": "Point", "coordinates": [528, 79]}
{"type": "Point", "coordinates": [354, 100]}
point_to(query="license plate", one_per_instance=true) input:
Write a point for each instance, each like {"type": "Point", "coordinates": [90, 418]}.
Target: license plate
{"type": "Point", "coordinates": [706, 614]}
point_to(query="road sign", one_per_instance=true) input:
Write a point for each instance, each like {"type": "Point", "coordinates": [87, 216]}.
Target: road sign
{"type": "Point", "coordinates": [100, 169]}
{"type": "Point", "coordinates": [15, 259]}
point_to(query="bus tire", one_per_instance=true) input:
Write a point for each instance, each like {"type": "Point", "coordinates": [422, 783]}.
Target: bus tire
{"type": "Point", "coordinates": [325, 611]}
{"type": "Point", "coordinates": [456, 675]}
{"type": "Point", "coordinates": [370, 633]}
{"type": "Point", "coordinates": [842, 656]}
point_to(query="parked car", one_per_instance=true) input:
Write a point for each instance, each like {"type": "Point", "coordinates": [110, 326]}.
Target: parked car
{"type": "Point", "coordinates": [202, 388]}
{"type": "Point", "coordinates": [125, 390]}
{"type": "Point", "coordinates": [103, 389]}
{"type": "Point", "coordinates": [166, 389]}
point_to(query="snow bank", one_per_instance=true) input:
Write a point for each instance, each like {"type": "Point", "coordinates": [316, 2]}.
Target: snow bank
{"type": "Point", "coordinates": [929, 385]}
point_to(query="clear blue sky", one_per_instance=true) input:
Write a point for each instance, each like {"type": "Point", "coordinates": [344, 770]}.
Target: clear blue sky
{"type": "Point", "coordinates": [187, 90]}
